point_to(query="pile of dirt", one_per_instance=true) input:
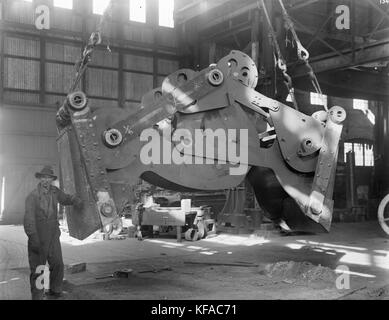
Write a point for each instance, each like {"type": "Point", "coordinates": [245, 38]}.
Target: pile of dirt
{"type": "Point", "coordinates": [301, 273]}
{"type": "Point", "coordinates": [379, 293]}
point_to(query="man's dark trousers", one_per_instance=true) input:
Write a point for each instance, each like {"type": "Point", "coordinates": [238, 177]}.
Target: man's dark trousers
{"type": "Point", "coordinates": [52, 253]}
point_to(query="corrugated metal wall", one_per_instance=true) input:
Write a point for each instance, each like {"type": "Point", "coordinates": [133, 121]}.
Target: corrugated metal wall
{"type": "Point", "coordinates": [36, 71]}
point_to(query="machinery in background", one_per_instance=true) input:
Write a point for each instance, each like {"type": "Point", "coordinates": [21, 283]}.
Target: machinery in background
{"type": "Point", "coordinates": [195, 222]}
{"type": "Point", "coordinates": [240, 213]}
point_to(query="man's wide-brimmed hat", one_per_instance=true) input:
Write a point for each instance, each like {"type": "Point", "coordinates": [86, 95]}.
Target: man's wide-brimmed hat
{"type": "Point", "coordinates": [46, 171]}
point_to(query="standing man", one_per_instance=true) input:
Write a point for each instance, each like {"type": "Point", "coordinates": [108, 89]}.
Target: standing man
{"type": "Point", "coordinates": [42, 228]}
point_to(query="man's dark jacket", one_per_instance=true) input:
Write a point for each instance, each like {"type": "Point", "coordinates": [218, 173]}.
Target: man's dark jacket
{"type": "Point", "coordinates": [41, 217]}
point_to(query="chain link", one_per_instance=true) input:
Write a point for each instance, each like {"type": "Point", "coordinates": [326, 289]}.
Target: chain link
{"type": "Point", "coordinates": [279, 59]}
{"type": "Point", "coordinates": [302, 53]}
{"type": "Point", "coordinates": [94, 40]}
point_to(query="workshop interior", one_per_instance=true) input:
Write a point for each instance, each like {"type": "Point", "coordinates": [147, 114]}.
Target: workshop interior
{"type": "Point", "coordinates": [194, 149]}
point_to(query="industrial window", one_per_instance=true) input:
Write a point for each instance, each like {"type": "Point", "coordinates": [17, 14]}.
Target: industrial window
{"type": "Point", "coordinates": [318, 99]}
{"type": "Point", "coordinates": [289, 98]}
{"type": "Point", "coordinates": [166, 13]}
{"type": "Point", "coordinates": [361, 104]}
{"type": "Point", "coordinates": [364, 155]}
{"type": "Point", "coordinates": [370, 115]}
{"type": "Point", "coordinates": [99, 6]}
{"type": "Point", "coordinates": [138, 10]}
{"type": "Point", "coordinates": [67, 4]}
{"type": "Point", "coordinates": [364, 106]}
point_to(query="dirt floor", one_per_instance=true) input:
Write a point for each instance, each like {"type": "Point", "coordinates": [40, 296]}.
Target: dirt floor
{"type": "Point", "coordinates": [261, 266]}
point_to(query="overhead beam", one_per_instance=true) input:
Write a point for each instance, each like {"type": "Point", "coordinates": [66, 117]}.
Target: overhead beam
{"type": "Point", "coordinates": [194, 9]}
{"type": "Point", "coordinates": [301, 4]}
{"type": "Point", "coordinates": [299, 27]}
{"type": "Point", "coordinates": [350, 84]}
{"type": "Point", "coordinates": [377, 33]}
{"type": "Point", "coordinates": [226, 33]}
{"type": "Point", "coordinates": [379, 9]}
{"type": "Point", "coordinates": [213, 21]}
{"type": "Point", "coordinates": [373, 52]}
{"type": "Point", "coordinates": [199, 7]}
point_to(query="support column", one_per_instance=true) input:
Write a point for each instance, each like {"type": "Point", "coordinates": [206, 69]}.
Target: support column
{"type": "Point", "coordinates": [121, 12]}
{"type": "Point", "coordinates": [381, 152]}
{"type": "Point", "coordinates": [281, 89]}
{"type": "Point", "coordinates": [266, 66]}
{"type": "Point", "coordinates": [152, 9]}
{"type": "Point", "coordinates": [185, 53]}
{"type": "Point", "coordinates": [1, 53]}
{"type": "Point", "coordinates": [255, 38]}
{"type": "Point", "coordinates": [212, 53]}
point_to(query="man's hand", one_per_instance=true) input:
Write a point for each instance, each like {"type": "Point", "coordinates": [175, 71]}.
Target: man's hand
{"type": "Point", "coordinates": [78, 203]}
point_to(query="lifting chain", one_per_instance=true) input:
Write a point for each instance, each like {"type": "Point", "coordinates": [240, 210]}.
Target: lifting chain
{"type": "Point", "coordinates": [302, 53]}
{"type": "Point", "coordinates": [94, 40]}
{"type": "Point", "coordinates": [279, 59]}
